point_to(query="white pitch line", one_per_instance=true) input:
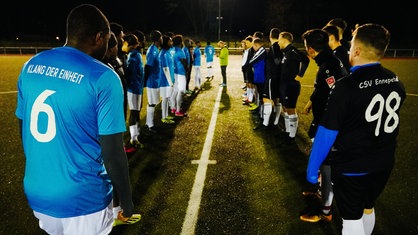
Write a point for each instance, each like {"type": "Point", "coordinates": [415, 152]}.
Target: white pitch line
{"type": "Point", "coordinates": [7, 92]}
{"type": "Point", "coordinates": [190, 220]}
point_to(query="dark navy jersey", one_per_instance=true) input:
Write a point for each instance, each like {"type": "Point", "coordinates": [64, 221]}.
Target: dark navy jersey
{"type": "Point", "coordinates": [343, 55]}
{"type": "Point", "coordinates": [273, 65]}
{"type": "Point", "coordinates": [364, 108]}
{"type": "Point", "coordinates": [294, 63]}
{"type": "Point", "coordinates": [330, 68]}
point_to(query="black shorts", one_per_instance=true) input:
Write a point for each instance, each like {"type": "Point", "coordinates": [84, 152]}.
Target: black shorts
{"type": "Point", "coordinates": [290, 92]}
{"type": "Point", "coordinates": [353, 194]}
{"type": "Point", "coordinates": [271, 89]}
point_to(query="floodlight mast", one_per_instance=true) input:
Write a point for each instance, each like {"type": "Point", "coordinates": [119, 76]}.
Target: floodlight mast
{"type": "Point", "coordinates": [219, 18]}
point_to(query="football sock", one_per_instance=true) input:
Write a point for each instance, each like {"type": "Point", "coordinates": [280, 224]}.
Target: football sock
{"type": "Point", "coordinates": [179, 100]}
{"type": "Point", "coordinates": [267, 109]}
{"type": "Point", "coordinates": [293, 125]}
{"type": "Point", "coordinates": [250, 94]}
{"type": "Point", "coordinates": [278, 110]}
{"type": "Point", "coordinates": [351, 227]}
{"type": "Point", "coordinates": [164, 108]}
{"type": "Point", "coordinates": [150, 116]}
{"type": "Point", "coordinates": [286, 122]}
{"type": "Point", "coordinates": [326, 186]}
{"type": "Point", "coordinates": [369, 220]}
{"type": "Point", "coordinates": [116, 210]}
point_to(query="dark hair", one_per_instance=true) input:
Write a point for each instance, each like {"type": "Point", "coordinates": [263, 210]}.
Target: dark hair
{"type": "Point", "coordinates": [339, 22]}
{"type": "Point", "coordinates": [165, 44]}
{"type": "Point", "coordinates": [373, 35]}
{"type": "Point", "coordinates": [258, 41]}
{"type": "Point", "coordinates": [178, 40]}
{"type": "Point", "coordinates": [274, 33]}
{"type": "Point", "coordinates": [249, 38]}
{"type": "Point", "coordinates": [85, 21]}
{"type": "Point", "coordinates": [332, 31]}
{"type": "Point", "coordinates": [140, 35]}
{"type": "Point", "coordinates": [116, 28]}
{"type": "Point", "coordinates": [131, 39]}
{"type": "Point", "coordinates": [287, 35]}
{"type": "Point", "coordinates": [317, 39]}
{"type": "Point", "coordinates": [155, 35]}
{"type": "Point", "coordinates": [112, 41]}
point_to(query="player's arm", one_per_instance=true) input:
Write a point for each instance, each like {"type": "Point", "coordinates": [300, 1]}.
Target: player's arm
{"type": "Point", "coordinates": [184, 63]}
{"type": "Point", "coordinates": [324, 139]}
{"type": "Point", "coordinates": [116, 163]}
{"type": "Point", "coordinates": [147, 72]}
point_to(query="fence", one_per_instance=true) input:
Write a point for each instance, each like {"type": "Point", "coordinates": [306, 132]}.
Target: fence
{"type": "Point", "coordinates": [395, 53]}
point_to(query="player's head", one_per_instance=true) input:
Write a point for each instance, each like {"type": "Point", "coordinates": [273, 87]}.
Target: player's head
{"type": "Point", "coordinates": [316, 39]}
{"type": "Point", "coordinates": [88, 30]}
{"type": "Point", "coordinates": [340, 23]}
{"type": "Point", "coordinates": [369, 42]}
{"type": "Point", "coordinates": [167, 42]}
{"type": "Point", "coordinates": [178, 40]}
{"type": "Point", "coordinates": [156, 37]}
{"type": "Point", "coordinates": [274, 33]}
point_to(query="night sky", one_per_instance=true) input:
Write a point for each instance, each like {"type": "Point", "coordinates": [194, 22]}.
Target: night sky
{"type": "Point", "coordinates": [197, 18]}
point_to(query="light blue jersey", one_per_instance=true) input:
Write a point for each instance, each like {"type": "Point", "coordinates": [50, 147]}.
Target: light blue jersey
{"type": "Point", "coordinates": [153, 60]}
{"type": "Point", "coordinates": [187, 54]}
{"type": "Point", "coordinates": [167, 61]}
{"type": "Point", "coordinates": [209, 53]}
{"type": "Point", "coordinates": [135, 72]}
{"type": "Point", "coordinates": [197, 54]}
{"type": "Point", "coordinates": [178, 66]}
{"type": "Point", "coordinates": [66, 99]}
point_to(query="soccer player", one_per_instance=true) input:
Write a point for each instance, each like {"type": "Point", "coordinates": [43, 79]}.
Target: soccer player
{"type": "Point", "coordinates": [167, 81]}
{"type": "Point", "coordinates": [271, 88]}
{"type": "Point", "coordinates": [70, 111]}
{"type": "Point", "coordinates": [209, 53]}
{"type": "Point", "coordinates": [294, 65]}
{"type": "Point", "coordinates": [330, 69]}
{"type": "Point", "coordinates": [335, 44]}
{"type": "Point", "coordinates": [258, 64]}
{"type": "Point", "coordinates": [361, 124]}
{"type": "Point", "coordinates": [180, 67]}
{"type": "Point", "coordinates": [187, 49]}
{"type": "Point", "coordinates": [135, 86]}
{"type": "Point", "coordinates": [152, 78]}
{"type": "Point", "coordinates": [197, 55]}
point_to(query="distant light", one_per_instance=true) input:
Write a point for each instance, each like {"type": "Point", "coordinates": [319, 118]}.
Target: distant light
{"type": "Point", "coordinates": [57, 38]}
{"type": "Point", "coordinates": [17, 38]}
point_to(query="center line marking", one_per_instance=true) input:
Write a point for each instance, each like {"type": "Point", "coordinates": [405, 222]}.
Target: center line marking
{"type": "Point", "coordinates": [190, 219]}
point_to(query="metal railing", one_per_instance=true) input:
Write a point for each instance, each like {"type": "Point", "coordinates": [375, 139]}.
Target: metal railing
{"type": "Point", "coordinates": [391, 53]}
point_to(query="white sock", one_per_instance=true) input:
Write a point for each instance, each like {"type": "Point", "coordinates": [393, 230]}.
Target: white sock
{"type": "Point", "coordinates": [150, 116]}
{"type": "Point", "coordinates": [369, 220]}
{"type": "Point", "coordinates": [179, 100]}
{"type": "Point", "coordinates": [293, 125]}
{"type": "Point", "coordinates": [250, 94]}
{"type": "Point", "coordinates": [116, 210]}
{"type": "Point", "coordinates": [132, 131]}
{"type": "Point", "coordinates": [267, 113]}
{"type": "Point", "coordinates": [164, 108]}
{"type": "Point", "coordinates": [286, 122]}
{"type": "Point", "coordinates": [351, 227]}
{"type": "Point", "coordinates": [278, 110]}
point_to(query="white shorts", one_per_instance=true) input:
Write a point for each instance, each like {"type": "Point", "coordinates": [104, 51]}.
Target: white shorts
{"type": "Point", "coordinates": [165, 92]}
{"type": "Point", "coordinates": [209, 64]}
{"type": "Point", "coordinates": [180, 82]}
{"type": "Point", "coordinates": [153, 95]}
{"type": "Point", "coordinates": [100, 223]}
{"type": "Point", "coordinates": [134, 101]}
